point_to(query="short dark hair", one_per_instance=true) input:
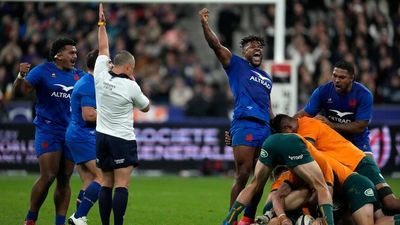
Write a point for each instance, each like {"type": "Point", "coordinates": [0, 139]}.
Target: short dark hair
{"type": "Point", "coordinates": [345, 65]}
{"type": "Point", "coordinates": [91, 59]}
{"type": "Point", "coordinates": [58, 45]}
{"type": "Point", "coordinates": [251, 38]}
{"type": "Point", "coordinates": [276, 122]}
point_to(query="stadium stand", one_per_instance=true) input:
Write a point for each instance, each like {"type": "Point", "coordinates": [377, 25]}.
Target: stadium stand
{"type": "Point", "coordinates": [172, 65]}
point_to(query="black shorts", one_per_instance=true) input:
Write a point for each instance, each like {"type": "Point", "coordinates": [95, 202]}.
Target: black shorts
{"type": "Point", "coordinates": [113, 152]}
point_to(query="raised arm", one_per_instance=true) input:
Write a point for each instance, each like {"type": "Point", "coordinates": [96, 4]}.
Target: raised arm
{"type": "Point", "coordinates": [20, 82]}
{"type": "Point", "coordinates": [102, 33]}
{"type": "Point", "coordinates": [223, 54]}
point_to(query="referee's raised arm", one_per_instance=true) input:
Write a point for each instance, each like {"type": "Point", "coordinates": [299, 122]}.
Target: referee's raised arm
{"type": "Point", "coordinates": [102, 33]}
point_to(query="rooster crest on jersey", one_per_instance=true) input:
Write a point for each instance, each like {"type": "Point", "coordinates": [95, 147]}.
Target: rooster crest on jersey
{"type": "Point", "coordinates": [304, 220]}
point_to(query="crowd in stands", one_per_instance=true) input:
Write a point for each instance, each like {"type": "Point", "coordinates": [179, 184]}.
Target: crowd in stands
{"type": "Point", "coordinates": [168, 67]}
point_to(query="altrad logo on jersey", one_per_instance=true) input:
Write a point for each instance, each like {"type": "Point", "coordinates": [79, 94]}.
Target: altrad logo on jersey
{"type": "Point", "coordinates": [60, 94]}
{"type": "Point", "coordinates": [261, 79]}
{"type": "Point", "coordinates": [339, 116]}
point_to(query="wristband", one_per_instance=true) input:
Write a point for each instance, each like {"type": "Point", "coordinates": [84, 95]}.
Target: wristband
{"type": "Point", "coordinates": [101, 23]}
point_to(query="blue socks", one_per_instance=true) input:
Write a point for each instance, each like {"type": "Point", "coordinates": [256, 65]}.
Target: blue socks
{"type": "Point", "coordinates": [89, 198]}
{"type": "Point", "coordinates": [119, 204]}
{"type": "Point", "coordinates": [105, 204]}
{"type": "Point", "coordinates": [60, 220]}
{"type": "Point", "coordinates": [79, 199]}
{"type": "Point", "coordinates": [32, 215]}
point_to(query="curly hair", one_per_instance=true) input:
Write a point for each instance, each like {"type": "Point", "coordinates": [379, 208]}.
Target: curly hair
{"type": "Point", "coordinates": [251, 38]}
{"type": "Point", "coordinates": [344, 65]}
{"type": "Point", "coordinates": [58, 45]}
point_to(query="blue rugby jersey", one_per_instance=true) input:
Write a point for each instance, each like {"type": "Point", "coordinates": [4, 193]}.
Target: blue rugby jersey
{"type": "Point", "coordinates": [53, 90]}
{"type": "Point", "coordinates": [338, 108]}
{"type": "Point", "coordinates": [251, 88]}
{"type": "Point", "coordinates": [82, 95]}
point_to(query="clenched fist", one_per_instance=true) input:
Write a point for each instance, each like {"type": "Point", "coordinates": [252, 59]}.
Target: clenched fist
{"type": "Point", "coordinates": [204, 13]}
{"type": "Point", "coordinates": [24, 68]}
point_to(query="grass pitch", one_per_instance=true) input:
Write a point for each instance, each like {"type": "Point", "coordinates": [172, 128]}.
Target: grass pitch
{"type": "Point", "coordinates": [166, 200]}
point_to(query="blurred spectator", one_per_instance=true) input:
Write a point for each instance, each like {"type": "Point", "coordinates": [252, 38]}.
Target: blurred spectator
{"type": "Point", "coordinates": [228, 22]}
{"type": "Point", "coordinates": [180, 93]}
{"type": "Point", "coordinates": [198, 105]}
{"type": "Point", "coordinates": [391, 92]}
{"type": "Point", "coordinates": [317, 34]}
{"type": "Point", "coordinates": [218, 101]}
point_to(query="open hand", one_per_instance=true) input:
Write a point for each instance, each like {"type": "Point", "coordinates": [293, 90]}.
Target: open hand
{"type": "Point", "coordinates": [102, 18]}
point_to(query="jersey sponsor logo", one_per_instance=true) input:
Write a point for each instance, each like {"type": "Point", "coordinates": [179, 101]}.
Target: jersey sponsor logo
{"type": "Point", "coordinates": [295, 157]}
{"type": "Point", "coordinates": [339, 118]}
{"type": "Point", "coordinates": [261, 76]}
{"type": "Point", "coordinates": [65, 88]}
{"type": "Point", "coordinates": [108, 86]}
{"type": "Point", "coordinates": [340, 114]}
{"type": "Point", "coordinates": [369, 192]}
{"type": "Point", "coordinates": [119, 161]}
{"type": "Point", "coordinates": [261, 79]}
{"type": "Point", "coordinates": [62, 94]}
{"type": "Point", "coordinates": [263, 153]}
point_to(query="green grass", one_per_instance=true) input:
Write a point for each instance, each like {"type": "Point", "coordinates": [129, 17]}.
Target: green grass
{"type": "Point", "coordinates": [167, 200]}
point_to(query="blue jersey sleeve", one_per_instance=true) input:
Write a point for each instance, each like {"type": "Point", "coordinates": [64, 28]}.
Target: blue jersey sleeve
{"type": "Point", "coordinates": [364, 109]}
{"type": "Point", "coordinates": [88, 101]}
{"type": "Point", "coordinates": [233, 65]}
{"type": "Point", "coordinates": [88, 95]}
{"type": "Point", "coordinates": [35, 75]}
{"type": "Point", "coordinates": [313, 106]}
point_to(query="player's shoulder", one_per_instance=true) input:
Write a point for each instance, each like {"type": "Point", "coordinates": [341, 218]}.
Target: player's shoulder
{"type": "Point", "coordinates": [361, 89]}
{"type": "Point", "coordinates": [80, 72]}
{"type": "Point", "coordinates": [307, 121]}
{"type": "Point", "coordinates": [326, 87]}
{"type": "Point", "coordinates": [43, 66]}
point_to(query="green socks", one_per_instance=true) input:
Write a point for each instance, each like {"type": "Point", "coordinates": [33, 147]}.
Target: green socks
{"type": "Point", "coordinates": [234, 212]}
{"type": "Point", "coordinates": [327, 213]}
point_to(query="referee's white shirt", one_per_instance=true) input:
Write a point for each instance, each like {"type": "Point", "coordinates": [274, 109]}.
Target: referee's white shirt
{"type": "Point", "coordinates": [115, 99]}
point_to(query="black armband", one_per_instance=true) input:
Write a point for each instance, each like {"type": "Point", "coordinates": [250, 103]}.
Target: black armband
{"type": "Point", "coordinates": [385, 191]}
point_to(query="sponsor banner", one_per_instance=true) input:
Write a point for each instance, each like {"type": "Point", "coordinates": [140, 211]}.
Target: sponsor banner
{"type": "Point", "coordinates": [172, 145]}
{"type": "Point", "coordinates": [284, 88]}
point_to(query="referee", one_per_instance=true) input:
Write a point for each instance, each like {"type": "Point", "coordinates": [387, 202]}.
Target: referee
{"type": "Point", "coordinates": [117, 94]}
